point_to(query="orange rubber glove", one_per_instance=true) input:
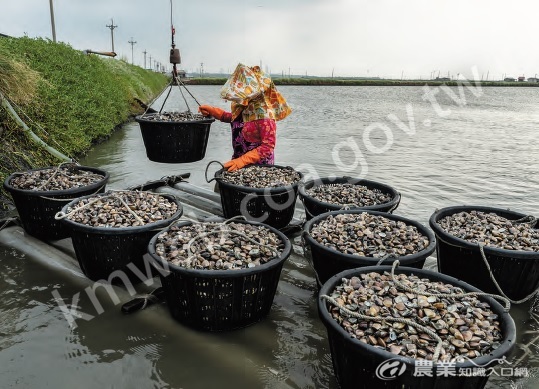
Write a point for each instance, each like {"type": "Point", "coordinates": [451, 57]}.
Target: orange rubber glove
{"type": "Point", "coordinates": [248, 158]}
{"type": "Point", "coordinates": [208, 110]}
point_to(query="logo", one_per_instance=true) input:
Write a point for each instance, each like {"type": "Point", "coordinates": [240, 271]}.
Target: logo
{"type": "Point", "coordinates": [390, 369]}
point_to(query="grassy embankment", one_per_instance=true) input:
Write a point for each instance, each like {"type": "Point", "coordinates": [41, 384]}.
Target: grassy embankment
{"type": "Point", "coordinates": [358, 82]}
{"type": "Point", "coordinates": [69, 99]}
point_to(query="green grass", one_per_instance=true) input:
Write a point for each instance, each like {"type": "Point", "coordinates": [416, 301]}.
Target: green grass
{"type": "Point", "coordinates": [71, 100]}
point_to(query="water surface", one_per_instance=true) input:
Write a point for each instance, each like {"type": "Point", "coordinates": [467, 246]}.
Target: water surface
{"type": "Point", "coordinates": [479, 151]}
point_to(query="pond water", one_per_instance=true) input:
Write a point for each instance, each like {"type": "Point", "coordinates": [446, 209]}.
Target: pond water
{"type": "Point", "coordinates": [476, 148]}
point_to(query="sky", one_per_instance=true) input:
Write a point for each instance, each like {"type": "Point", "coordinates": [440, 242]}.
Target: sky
{"type": "Point", "coordinates": [408, 39]}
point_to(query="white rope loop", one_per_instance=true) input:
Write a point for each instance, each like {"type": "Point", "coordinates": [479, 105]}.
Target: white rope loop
{"type": "Point", "coordinates": [400, 285]}
{"type": "Point", "coordinates": [406, 288]}
{"type": "Point", "coordinates": [428, 331]}
{"type": "Point", "coordinates": [495, 282]}
{"type": "Point", "coordinates": [61, 215]}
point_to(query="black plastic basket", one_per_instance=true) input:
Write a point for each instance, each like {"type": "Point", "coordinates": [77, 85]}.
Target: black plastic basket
{"type": "Point", "coordinates": [517, 272]}
{"type": "Point", "coordinates": [102, 251]}
{"type": "Point", "coordinates": [314, 207]}
{"type": "Point", "coordinates": [355, 363]}
{"type": "Point", "coordinates": [271, 206]}
{"type": "Point", "coordinates": [220, 300]}
{"type": "Point", "coordinates": [328, 262]}
{"type": "Point", "coordinates": [175, 141]}
{"type": "Point", "coordinates": [36, 208]}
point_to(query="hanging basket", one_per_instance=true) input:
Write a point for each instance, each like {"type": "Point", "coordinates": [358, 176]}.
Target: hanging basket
{"type": "Point", "coordinates": [175, 141]}
{"type": "Point", "coordinates": [174, 137]}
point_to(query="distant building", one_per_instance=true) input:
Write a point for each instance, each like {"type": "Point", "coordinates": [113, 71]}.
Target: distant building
{"type": "Point", "coordinates": [443, 79]}
{"type": "Point", "coordinates": [521, 79]}
{"type": "Point", "coordinates": [509, 79]}
{"type": "Point", "coordinates": [533, 79]}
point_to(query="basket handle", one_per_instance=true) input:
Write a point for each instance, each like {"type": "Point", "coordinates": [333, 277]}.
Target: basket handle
{"type": "Point", "coordinates": [206, 172]}
{"type": "Point", "coordinates": [397, 204]}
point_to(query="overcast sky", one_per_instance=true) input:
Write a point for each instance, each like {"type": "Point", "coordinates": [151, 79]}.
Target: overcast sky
{"type": "Point", "coordinates": [386, 38]}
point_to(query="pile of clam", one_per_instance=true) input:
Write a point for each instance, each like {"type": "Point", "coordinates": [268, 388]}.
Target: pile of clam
{"type": "Point", "coordinates": [58, 178]}
{"type": "Point", "coordinates": [490, 229]}
{"type": "Point", "coordinates": [218, 246]}
{"type": "Point", "coordinates": [262, 176]}
{"type": "Point", "coordinates": [348, 194]}
{"type": "Point", "coordinates": [368, 235]}
{"type": "Point", "coordinates": [173, 116]}
{"type": "Point", "coordinates": [122, 209]}
{"type": "Point", "coordinates": [467, 326]}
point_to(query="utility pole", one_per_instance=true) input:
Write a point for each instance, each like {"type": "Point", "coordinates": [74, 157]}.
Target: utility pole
{"type": "Point", "coordinates": [201, 69]}
{"type": "Point", "coordinates": [144, 59]}
{"type": "Point", "coordinates": [132, 42]}
{"type": "Point", "coordinates": [112, 27]}
{"type": "Point", "coordinates": [52, 22]}
{"type": "Point", "coordinates": [150, 61]}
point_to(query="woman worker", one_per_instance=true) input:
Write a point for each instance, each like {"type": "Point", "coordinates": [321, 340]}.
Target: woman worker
{"type": "Point", "coordinates": [255, 107]}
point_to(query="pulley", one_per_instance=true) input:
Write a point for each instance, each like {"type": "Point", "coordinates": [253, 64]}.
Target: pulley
{"type": "Point", "coordinates": [175, 56]}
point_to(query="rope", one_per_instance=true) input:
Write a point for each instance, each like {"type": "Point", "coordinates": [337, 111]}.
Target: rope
{"type": "Point", "coordinates": [220, 228]}
{"type": "Point", "coordinates": [528, 297]}
{"type": "Point", "coordinates": [529, 219]}
{"type": "Point", "coordinates": [233, 232]}
{"type": "Point", "coordinates": [409, 322]}
{"type": "Point", "coordinates": [130, 210]}
{"type": "Point", "coordinates": [206, 172]}
{"type": "Point", "coordinates": [7, 221]}
{"type": "Point", "coordinates": [72, 198]}
{"type": "Point", "coordinates": [56, 171]}
{"type": "Point", "coordinates": [417, 292]}
{"type": "Point", "coordinates": [153, 101]}
{"type": "Point", "coordinates": [61, 215]}
{"type": "Point", "coordinates": [166, 98]}
{"type": "Point", "coordinates": [180, 81]}
{"type": "Point", "coordinates": [383, 259]}
{"type": "Point", "coordinates": [504, 299]}
{"type": "Point", "coordinates": [183, 96]}
{"type": "Point", "coordinates": [394, 207]}
{"type": "Point", "coordinates": [150, 297]}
